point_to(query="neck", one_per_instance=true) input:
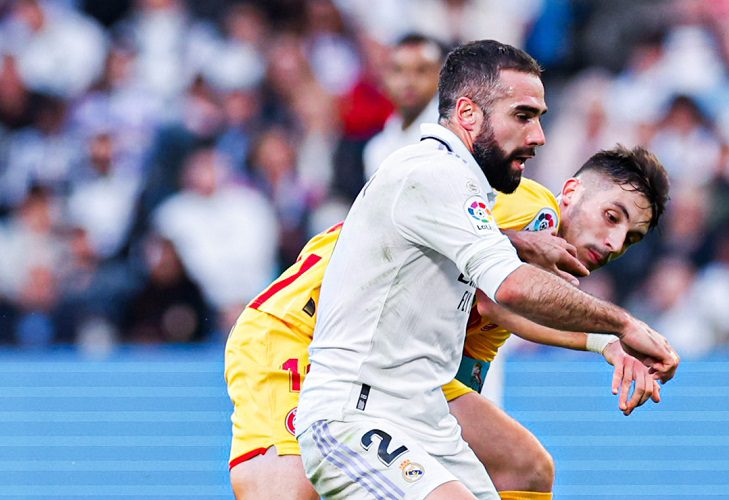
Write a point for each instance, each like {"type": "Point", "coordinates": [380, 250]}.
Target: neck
{"type": "Point", "coordinates": [460, 132]}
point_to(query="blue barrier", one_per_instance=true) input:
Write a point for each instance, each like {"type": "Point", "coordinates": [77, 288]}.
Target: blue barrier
{"type": "Point", "coordinates": [154, 423]}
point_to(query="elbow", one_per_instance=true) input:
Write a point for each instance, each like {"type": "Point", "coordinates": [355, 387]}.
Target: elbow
{"type": "Point", "coordinates": [509, 293]}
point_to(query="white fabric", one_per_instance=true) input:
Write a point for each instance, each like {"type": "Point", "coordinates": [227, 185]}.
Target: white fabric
{"type": "Point", "coordinates": [597, 342]}
{"type": "Point", "coordinates": [373, 458]}
{"type": "Point", "coordinates": [396, 295]}
{"type": "Point", "coordinates": [393, 137]}
{"type": "Point", "coordinates": [227, 241]}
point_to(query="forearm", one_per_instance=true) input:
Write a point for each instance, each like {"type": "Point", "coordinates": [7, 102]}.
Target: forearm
{"type": "Point", "coordinates": [548, 300]}
{"type": "Point", "coordinates": [530, 330]}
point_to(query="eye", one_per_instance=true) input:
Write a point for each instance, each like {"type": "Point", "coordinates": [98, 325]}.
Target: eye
{"type": "Point", "coordinates": [612, 217]}
{"type": "Point", "coordinates": [633, 238]}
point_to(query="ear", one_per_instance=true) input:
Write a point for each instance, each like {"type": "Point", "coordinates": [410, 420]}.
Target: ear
{"type": "Point", "coordinates": [469, 115]}
{"type": "Point", "coordinates": [571, 187]}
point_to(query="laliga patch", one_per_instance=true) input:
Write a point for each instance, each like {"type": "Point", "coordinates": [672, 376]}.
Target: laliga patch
{"type": "Point", "coordinates": [291, 421]}
{"type": "Point", "coordinates": [545, 219]}
{"type": "Point", "coordinates": [411, 471]}
{"type": "Point", "coordinates": [479, 214]}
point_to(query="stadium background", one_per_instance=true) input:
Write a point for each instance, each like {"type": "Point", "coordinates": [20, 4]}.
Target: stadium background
{"type": "Point", "coordinates": [161, 161]}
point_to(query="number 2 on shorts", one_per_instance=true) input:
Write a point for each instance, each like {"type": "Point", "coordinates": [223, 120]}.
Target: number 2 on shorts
{"type": "Point", "coordinates": [385, 457]}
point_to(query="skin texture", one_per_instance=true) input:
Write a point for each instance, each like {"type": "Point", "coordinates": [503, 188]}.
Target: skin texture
{"type": "Point", "coordinates": [602, 219]}
{"type": "Point", "coordinates": [272, 477]}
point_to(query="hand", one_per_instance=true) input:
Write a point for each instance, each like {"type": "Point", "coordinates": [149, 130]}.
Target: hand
{"type": "Point", "coordinates": [550, 252]}
{"type": "Point", "coordinates": [652, 349]}
{"type": "Point", "coordinates": [629, 370]}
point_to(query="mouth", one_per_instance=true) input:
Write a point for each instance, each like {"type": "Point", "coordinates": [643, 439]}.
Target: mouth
{"type": "Point", "coordinates": [519, 162]}
{"type": "Point", "coordinates": [598, 259]}
{"type": "Point", "coordinates": [519, 159]}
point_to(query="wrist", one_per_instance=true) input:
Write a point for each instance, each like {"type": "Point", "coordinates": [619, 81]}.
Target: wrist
{"type": "Point", "coordinates": [627, 324]}
{"type": "Point", "coordinates": [597, 342]}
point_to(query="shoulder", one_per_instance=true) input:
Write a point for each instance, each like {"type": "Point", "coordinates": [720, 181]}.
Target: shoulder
{"type": "Point", "coordinates": [530, 207]}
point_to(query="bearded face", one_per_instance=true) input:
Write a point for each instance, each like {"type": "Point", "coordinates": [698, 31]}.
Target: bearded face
{"type": "Point", "coordinates": [500, 168]}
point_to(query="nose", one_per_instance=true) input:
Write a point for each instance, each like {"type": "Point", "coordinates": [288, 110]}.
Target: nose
{"type": "Point", "coordinates": [616, 239]}
{"type": "Point", "coordinates": [536, 135]}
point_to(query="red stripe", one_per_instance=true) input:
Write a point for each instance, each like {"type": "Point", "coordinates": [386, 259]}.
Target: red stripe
{"type": "Point", "coordinates": [247, 456]}
{"type": "Point", "coordinates": [308, 263]}
{"type": "Point", "coordinates": [335, 227]}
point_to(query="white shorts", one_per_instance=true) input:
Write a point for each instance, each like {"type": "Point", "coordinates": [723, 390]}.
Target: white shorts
{"type": "Point", "coordinates": [367, 459]}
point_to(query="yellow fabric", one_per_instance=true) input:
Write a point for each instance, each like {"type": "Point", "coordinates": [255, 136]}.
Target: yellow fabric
{"type": "Point", "coordinates": [294, 296]}
{"type": "Point", "coordinates": [532, 207]}
{"type": "Point", "coordinates": [455, 389]}
{"type": "Point", "coordinates": [265, 363]}
{"type": "Point", "coordinates": [524, 495]}
{"type": "Point", "coordinates": [267, 357]}
{"type": "Point", "coordinates": [521, 210]}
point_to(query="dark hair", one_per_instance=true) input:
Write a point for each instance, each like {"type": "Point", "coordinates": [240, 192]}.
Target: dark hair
{"type": "Point", "coordinates": [415, 38]}
{"type": "Point", "coordinates": [638, 168]}
{"type": "Point", "coordinates": [472, 70]}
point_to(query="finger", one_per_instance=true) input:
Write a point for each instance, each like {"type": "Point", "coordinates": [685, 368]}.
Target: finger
{"type": "Point", "coordinates": [571, 249]}
{"type": "Point", "coordinates": [656, 396]}
{"type": "Point", "coordinates": [639, 393]}
{"type": "Point", "coordinates": [625, 387]}
{"type": "Point", "coordinates": [647, 386]}
{"type": "Point", "coordinates": [572, 265]}
{"type": "Point", "coordinates": [568, 277]}
{"type": "Point", "coordinates": [617, 375]}
{"type": "Point", "coordinates": [664, 371]}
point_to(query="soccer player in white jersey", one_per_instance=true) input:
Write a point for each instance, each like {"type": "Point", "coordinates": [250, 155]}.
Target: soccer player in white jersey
{"type": "Point", "coordinates": [417, 242]}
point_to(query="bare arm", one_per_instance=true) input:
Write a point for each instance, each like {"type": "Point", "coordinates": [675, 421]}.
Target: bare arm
{"type": "Point", "coordinates": [548, 251]}
{"type": "Point", "coordinates": [527, 329]}
{"type": "Point", "coordinates": [628, 371]}
{"type": "Point", "coordinates": [548, 300]}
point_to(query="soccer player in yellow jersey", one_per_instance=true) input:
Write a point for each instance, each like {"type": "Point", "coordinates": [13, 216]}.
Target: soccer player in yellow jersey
{"type": "Point", "coordinates": [610, 204]}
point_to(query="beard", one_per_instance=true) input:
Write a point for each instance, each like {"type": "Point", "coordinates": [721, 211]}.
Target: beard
{"type": "Point", "coordinates": [495, 163]}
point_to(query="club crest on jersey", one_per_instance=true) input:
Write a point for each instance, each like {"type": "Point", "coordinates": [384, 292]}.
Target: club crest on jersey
{"type": "Point", "coordinates": [479, 214]}
{"type": "Point", "coordinates": [411, 471]}
{"type": "Point", "coordinates": [290, 421]}
{"type": "Point", "coordinates": [545, 219]}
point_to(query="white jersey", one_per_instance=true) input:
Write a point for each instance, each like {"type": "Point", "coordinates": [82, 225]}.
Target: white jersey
{"type": "Point", "coordinates": [393, 136]}
{"type": "Point", "coordinates": [398, 291]}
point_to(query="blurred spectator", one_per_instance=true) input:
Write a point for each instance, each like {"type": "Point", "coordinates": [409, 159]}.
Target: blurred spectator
{"type": "Point", "coordinates": [103, 197]}
{"type": "Point", "coordinates": [30, 253]}
{"type": "Point", "coordinates": [171, 47]}
{"type": "Point", "coordinates": [411, 81]}
{"type": "Point", "coordinates": [59, 50]}
{"type": "Point", "coordinates": [237, 62]}
{"type": "Point", "coordinates": [169, 307]}
{"type": "Point", "coordinates": [363, 111]}
{"type": "Point", "coordinates": [118, 101]}
{"type": "Point", "coordinates": [273, 163]}
{"type": "Point", "coordinates": [330, 46]}
{"type": "Point", "coordinates": [93, 292]}
{"type": "Point", "coordinates": [663, 302]}
{"type": "Point", "coordinates": [242, 110]}
{"type": "Point", "coordinates": [686, 144]}
{"type": "Point", "coordinates": [40, 155]}
{"type": "Point", "coordinates": [202, 119]}
{"type": "Point", "coordinates": [583, 126]}
{"type": "Point", "coordinates": [15, 98]}
{"type": "Point", "coordinates": [459, 21]}
{"type": "Point", "coordinates": [226, 234]}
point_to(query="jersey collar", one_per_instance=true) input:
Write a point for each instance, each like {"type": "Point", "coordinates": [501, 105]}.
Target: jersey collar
{"type": "Point", "coordinates": [454, 145]}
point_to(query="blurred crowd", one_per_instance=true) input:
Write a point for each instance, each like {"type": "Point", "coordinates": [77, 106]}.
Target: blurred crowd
{"type": "Point", "coordinates": [161, 161]}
